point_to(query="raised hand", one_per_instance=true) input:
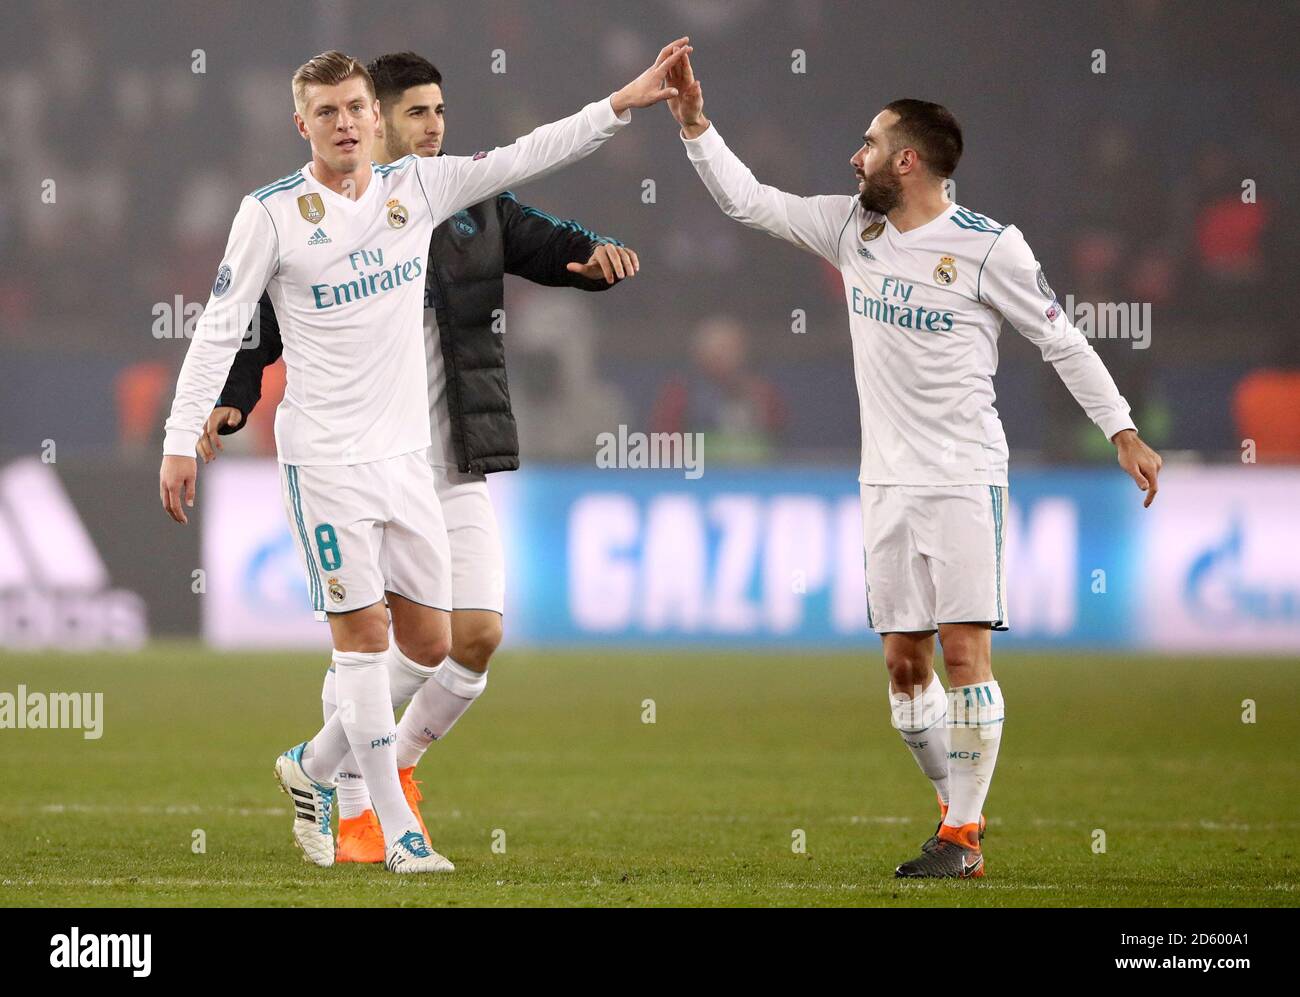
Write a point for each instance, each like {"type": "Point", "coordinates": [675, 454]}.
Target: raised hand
{"type": "Point", "coordinates": [688, 106]}
{"type": "Point", "coordinates": [649, 88]}
{"type": "Point", "coordinates": [613, 263]}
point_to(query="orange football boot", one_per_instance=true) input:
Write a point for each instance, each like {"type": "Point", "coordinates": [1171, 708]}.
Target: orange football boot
{"type": "Point", "coordinates": [360, 839]}
{"type": "Point", "coordinates": [943, 812]}
{"type": "Point", "coordinates": [411, 789]}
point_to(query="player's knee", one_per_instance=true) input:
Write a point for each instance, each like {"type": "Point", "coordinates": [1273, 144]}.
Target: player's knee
{"type": "Point", "coordinates": [907, 669]}
{"type": "Point", "coordinates": [965, 667]}
{"type": "Point", "coordinates": [365, 631]}
{"type": "Point", "coordinates": [959, 660]}
{"type": "Point", "coordinates": [964, 657]}
{"type": "Point", "coordinates": [474, 646]}
{"type": "Point", "coordinates": [428, 648]}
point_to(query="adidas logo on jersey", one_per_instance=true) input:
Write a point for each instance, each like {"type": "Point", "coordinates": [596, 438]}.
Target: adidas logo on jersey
{"type": "Point", "coordinates": [865, 253]}
{"type": "Point", "coordinates": [319, 238]}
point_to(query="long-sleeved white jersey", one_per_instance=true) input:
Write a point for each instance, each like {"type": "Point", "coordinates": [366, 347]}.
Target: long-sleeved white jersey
{"type": "Point", "coordinates": [925, 309]}
{"type": "Point", "coordinates": [346, 278]}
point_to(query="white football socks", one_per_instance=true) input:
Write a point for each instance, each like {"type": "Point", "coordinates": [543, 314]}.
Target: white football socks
{"type": "Point", "coordinates": [354, 798]}
{"type": "Point", "coordinates": [404, 679]}
{"type": "Point", "coordinates": [975, 715]}
{"type": "Point", "coordinates": [436, 708]}
{"type": "Point", "coordinates": [362, 682]}
{"type": "Point", "coordinates": [921, 720]}
{"type": "Point", "coordinates": [326, 751]}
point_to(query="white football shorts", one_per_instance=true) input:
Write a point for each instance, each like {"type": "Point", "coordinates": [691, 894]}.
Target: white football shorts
{"type": "Point", "coordinates": [364, 529]}
{"type": "Point", "coordinates": [934, 555]}
{"type": "Point", "coordinates": [477, 563]}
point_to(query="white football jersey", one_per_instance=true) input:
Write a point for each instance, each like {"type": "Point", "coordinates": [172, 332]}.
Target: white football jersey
{"type": "Point", "coordinates": [347, 278]}
{"type": "Point", "coordinates": [925, 309]}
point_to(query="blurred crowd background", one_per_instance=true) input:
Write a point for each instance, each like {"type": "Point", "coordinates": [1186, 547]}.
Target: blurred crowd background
{"type": "Point", "coordinates": [1127, 183]}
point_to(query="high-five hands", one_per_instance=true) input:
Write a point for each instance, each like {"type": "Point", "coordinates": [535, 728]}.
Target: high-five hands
{"type": "Point", "coordinates": [649, 87]}
{"type": "Point", "coordinates": [177, 476]}
{"type": "Point", "coordinates": [688, 104]}
{"type": "Point", "coordinates": [612, 263]}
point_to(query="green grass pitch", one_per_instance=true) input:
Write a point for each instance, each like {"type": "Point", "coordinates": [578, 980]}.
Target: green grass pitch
{"type": "Point", "coordinates": [700, 807]}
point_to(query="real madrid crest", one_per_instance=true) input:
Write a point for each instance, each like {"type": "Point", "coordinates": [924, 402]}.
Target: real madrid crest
{"type": "Point", "coordinates": [872, 231]}
{"type": "Point", "coordinates": [311, 207]}
{"type": "Point", "coordinates": [397, 215]}
{"type": "Point", "coordinates": [337, 592]}
{"type": "Point", "coordinates": [946, 272]}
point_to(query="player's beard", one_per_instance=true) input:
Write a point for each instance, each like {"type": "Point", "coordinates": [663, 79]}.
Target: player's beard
{"type": "Point", "coordinates": [883, 191]}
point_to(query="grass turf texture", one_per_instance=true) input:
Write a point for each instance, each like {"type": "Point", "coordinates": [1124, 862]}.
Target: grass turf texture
{"type": "Point", "coordinates": [600, 808]}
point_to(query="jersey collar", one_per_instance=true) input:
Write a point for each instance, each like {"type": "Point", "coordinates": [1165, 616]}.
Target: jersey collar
{"type": "Point", "coordinates": [913, 234]}
{"type": "Point", "coordinates": [334, 196]}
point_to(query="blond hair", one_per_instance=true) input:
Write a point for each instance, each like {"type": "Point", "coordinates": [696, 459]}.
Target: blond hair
{"type": "Point", "coordinates": [327, 69]}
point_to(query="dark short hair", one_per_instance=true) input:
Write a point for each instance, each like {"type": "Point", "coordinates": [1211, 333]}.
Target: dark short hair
{"type": "Point", "coordinates": [928, 128]}
{"type": "Point", "coordinates": [396, 72]}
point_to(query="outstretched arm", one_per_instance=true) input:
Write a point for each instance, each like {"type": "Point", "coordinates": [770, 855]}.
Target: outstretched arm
{"type": "Point", "coordinates": [1012, 282]}
{"type": "Point", "coordinates": [455, 182]}
{"type": "Point", "coordinates": [560, 253]}
{"type": "Point", "coordinates": [811, 223]}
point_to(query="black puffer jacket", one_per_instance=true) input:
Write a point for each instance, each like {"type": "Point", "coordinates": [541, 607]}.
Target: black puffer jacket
{"type": "Point", "coordinates": [469, 254]}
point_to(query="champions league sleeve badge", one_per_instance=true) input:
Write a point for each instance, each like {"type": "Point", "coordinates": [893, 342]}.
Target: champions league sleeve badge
{"type": "Point", "coordinates": [1043, 285]}
{"type": "Point", "coordinates": [222, 284]}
